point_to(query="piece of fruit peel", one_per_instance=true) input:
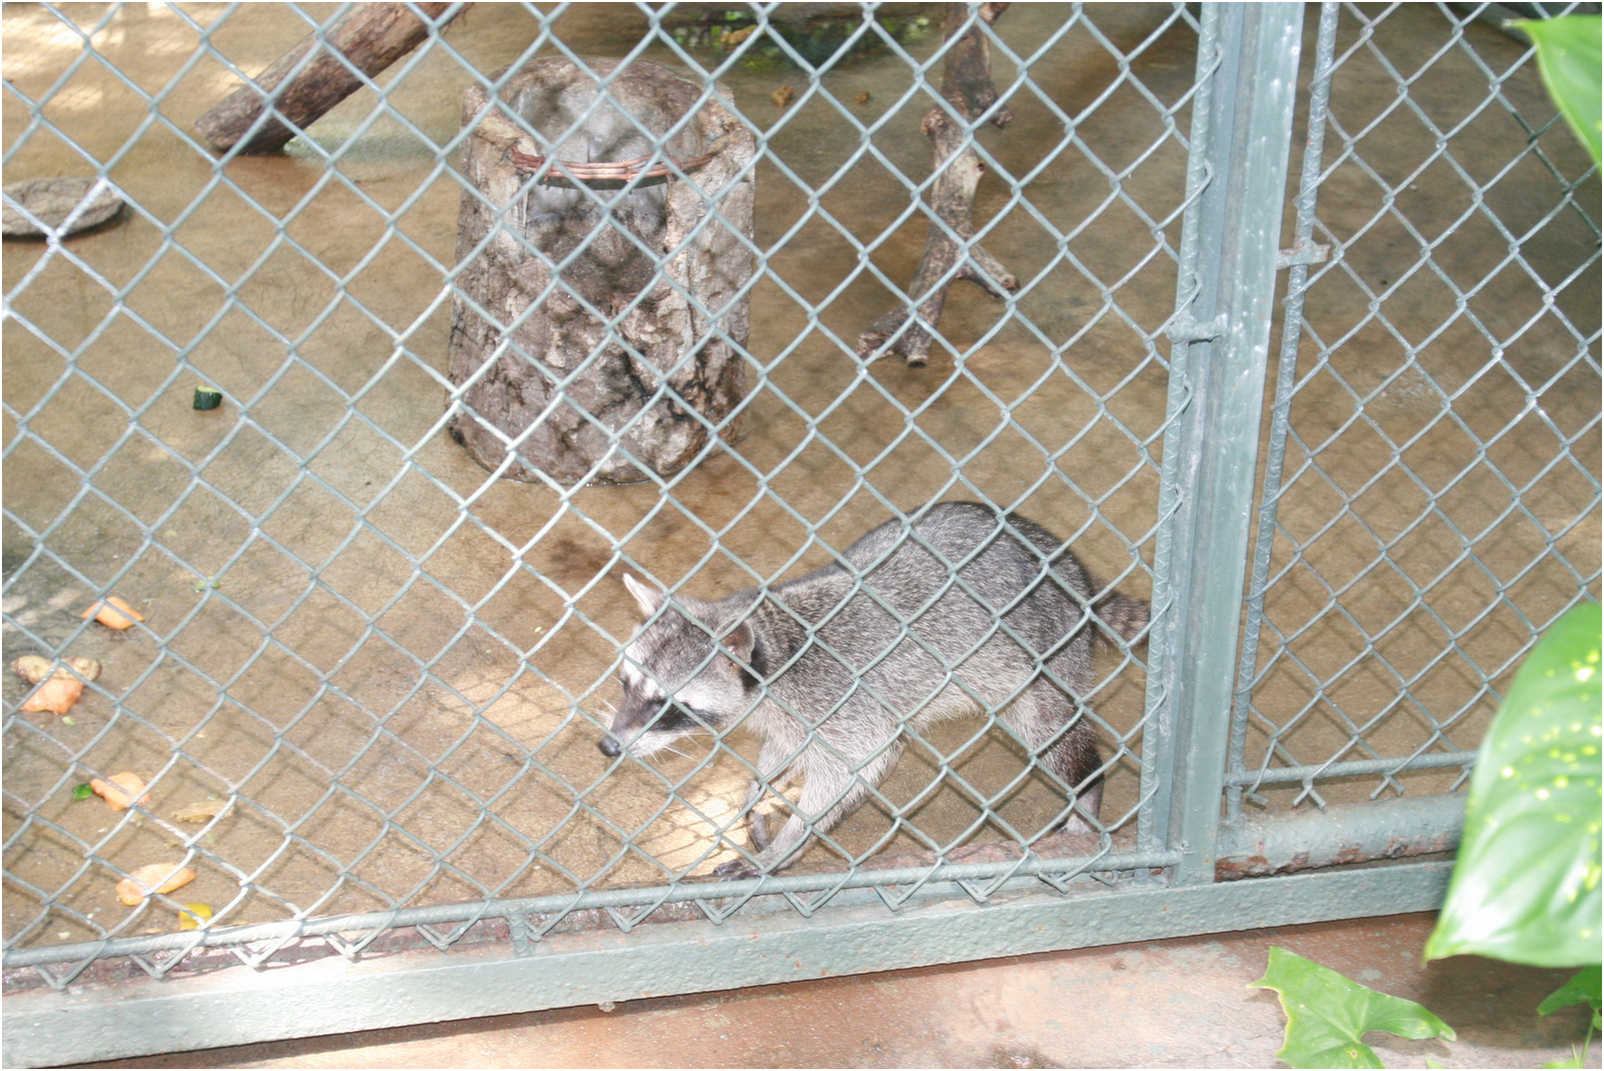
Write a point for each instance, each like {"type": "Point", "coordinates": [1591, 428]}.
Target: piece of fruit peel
{"type": "Point", "coordinates": [35, 668]}
{"type": "Point", "coordinates": [56, 695]}
{"type": "Point", "coordinates": [113, 612]}
{"type": "Point", "coordinates": [200, 812]}
{"type": "Point", "coordinates": [61, 686]}
{"type": "Point", "coordinates": [152, 879]}
{"type": "Point", "coordinates": [194, 915]}
{"type": "Point", "coordinates": [119, 790]}
{"type": "Point", "coordinates": [32, 668]}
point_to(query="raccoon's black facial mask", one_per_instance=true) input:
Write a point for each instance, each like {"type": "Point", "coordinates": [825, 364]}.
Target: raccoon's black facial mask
{"type": "Point", "coordinates": [667, 717]}
{"type": "Point", "coordinates": [672, 717]}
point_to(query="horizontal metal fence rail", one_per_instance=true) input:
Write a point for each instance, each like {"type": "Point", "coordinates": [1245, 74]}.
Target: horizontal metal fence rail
{"type": "Point", "coordinates": [386, 668]}
{"type": "Point", "coordinates": [234, 1007]}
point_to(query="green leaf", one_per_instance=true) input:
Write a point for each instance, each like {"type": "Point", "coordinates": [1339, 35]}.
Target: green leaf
{"type": "Point", "coordinates": [1328, 1014]}
{"type": "Point", "coordinates": [82, 792]}
{"type": "Point", "coordinates": [1525, 886]}
{"type": "Point", "coordinates": [1582, 988]}
{"type": "Point", "coordinates": [1568, 59]}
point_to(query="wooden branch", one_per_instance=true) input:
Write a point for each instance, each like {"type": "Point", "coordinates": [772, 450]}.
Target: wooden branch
{"type": "Point", "coordinates": [966, 72]}
{"type": "Point", "coordinates": [369, 36]}
{"type": "Point", "coordinates": [966, 85]}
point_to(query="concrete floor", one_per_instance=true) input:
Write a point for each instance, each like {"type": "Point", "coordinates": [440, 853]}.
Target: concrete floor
{"type": "Point", "coordinates": [1182, 1003]}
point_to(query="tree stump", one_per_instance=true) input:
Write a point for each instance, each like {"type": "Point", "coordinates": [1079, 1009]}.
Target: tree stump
{"type": "Point", "coordinates": [599, 315]}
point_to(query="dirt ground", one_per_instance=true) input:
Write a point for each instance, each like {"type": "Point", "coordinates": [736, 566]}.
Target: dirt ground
{"type": "Point", "coordinates": [396, 667]}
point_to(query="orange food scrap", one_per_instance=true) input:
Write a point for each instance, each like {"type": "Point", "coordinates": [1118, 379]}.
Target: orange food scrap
{"type": "Point", "coordinates": [113, 612]}
{"type": "Point", "coordinates": [121, 790]}
{"type": "Point", "coordinates": [155, 878]}
{"type": "Point", "coordinates": [57, 695]}
{"type": "Point", "coordinates": [61, 687]}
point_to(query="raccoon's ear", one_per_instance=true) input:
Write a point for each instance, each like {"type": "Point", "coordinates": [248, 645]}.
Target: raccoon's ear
{"type": "Point", "coordinates": [738, 642]}
{"type": "Point", "coordinates": [648, 598]}
{"type": "Point", "coordinates": [741, 643]}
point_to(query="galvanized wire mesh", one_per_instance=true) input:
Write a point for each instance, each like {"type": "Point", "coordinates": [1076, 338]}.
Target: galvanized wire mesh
{"type": "Point", "coordinates": [388, 669]}
{"type": "Point", "coordinates": [1450, 325]}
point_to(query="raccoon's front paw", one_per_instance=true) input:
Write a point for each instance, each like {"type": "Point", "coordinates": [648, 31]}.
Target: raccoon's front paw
{"type": "Point", "coordinates": [734, 870]}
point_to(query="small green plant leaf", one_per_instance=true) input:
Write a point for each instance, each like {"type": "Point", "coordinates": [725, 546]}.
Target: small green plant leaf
{"type": "Point", "coordinates": [1568, 60]}
{"type": "Point", "coordinates": [1328, 1014]}
{"type": "Point", "coordinates": [82, 792]}
{"type": "Point", "coordinates": [1525, 886]}
{"type": "Point", "coordinates": [1582, 988]}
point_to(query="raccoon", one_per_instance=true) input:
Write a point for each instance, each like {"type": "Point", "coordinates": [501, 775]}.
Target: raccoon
{"type": "Point", "coordinates": [959, 610]}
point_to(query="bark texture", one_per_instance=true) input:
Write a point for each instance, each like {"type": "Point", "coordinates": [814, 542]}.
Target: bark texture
{"type": "Point", "coordinates": [370, 37]}
{"type": "Point", "coordinates": [586, 343]}
{"type": "Point", "coordinates": [966, 85]}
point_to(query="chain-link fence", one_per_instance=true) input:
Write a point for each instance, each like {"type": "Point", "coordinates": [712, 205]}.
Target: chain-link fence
{"type": "Point", "coordinates": [1445, 346]}
{"type": "Point", "coordinates": [365, 698]}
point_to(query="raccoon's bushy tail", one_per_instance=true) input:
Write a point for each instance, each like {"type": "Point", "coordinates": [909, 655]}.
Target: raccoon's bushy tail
{"type": "Point", "coordinates": [1126, 616]}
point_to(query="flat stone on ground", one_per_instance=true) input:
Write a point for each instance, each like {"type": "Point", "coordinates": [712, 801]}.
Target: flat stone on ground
{"type": "Point", "coordinates": [53, 201]}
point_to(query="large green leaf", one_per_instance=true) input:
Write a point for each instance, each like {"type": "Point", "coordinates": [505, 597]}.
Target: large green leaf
{"type": "Point", "coordinates": [1328, 1014]}
{"type": "Point", "coordinates": [1568, 59]}
{"type": "Point", "coordinates": [1525, 887]}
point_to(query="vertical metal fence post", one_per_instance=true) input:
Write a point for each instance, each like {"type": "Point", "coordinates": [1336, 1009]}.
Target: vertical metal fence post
{"type": "Point", "coordinates": [1241, 142]}
{"type": "Point", "coordinates": [1303, 254]}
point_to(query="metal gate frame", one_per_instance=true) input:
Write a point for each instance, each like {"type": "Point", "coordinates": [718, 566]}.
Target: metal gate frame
{"type": "Point", "coordinates": [510, 956]}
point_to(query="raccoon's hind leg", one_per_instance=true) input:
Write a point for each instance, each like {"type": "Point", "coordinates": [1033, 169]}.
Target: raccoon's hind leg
{"type": "Point", "coordinates": [1038, 717]}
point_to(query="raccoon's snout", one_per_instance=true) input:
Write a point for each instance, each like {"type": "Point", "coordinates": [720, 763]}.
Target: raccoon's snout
{"type": "Point", "coordinates": [658, 721]}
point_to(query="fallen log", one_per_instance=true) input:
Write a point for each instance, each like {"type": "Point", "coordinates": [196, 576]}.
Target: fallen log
{"type": "Point", "coordinates": [966, 85]}
{"type": "Point", "coordinates": [370, 37]}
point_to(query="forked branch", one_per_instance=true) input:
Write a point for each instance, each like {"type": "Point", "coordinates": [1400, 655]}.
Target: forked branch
{"type": "Point", "coordinates": [966, 85]}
